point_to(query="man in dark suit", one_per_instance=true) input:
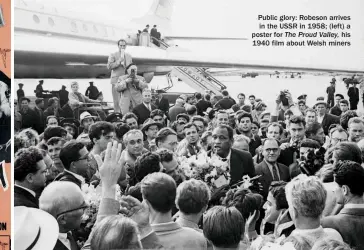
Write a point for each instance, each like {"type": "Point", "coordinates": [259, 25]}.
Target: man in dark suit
{"type": "Point", "coordinates": [142, 111]}
{"type": "Point", "coordinates": [202, 105]}
{"type": "Point", "coordinates": [29, 176]}
{"type": "Point", "coordinates": [20, 92]}
{"type": "Point", "coordinates": [27, 114]}
{"type": "Point", "coordinates": [349, 222]}
{"type": "Point", "coordinates": [324, 118]}
{"type": "Point", "coordinates": [269, 169]}
{"type": "Point", "coordinates": [241, 162]}
{"type": "Point", "coordinates": [63, 96]}
{"type": "Point", "coordinates": [330, 93]}
{"type": "Point", "coordinates": [336, 109]}
{"type": "Point", "coordinates": [226, 102]}
{"type": "Point", "coordinates": [162, 102]}
{"type": "Point", "coordinates": [66, 203]}
{"type": "Point", "coordinates": [76, 161]}
{"type": "Point", "coordinates": [40, 120]}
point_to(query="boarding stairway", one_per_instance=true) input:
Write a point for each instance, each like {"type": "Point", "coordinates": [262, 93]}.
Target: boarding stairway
{"type": "Point", "coordinates": [196, 78]}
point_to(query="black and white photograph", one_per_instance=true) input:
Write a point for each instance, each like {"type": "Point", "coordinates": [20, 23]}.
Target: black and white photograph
{"type": "Point", "coordinates": [205, 124]}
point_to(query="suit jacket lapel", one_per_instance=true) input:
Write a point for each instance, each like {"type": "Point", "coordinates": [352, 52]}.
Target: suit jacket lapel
{"type": "Point", "coordinates": [267, 172]}
{"type": "Point", "coordinates": [235, 166]}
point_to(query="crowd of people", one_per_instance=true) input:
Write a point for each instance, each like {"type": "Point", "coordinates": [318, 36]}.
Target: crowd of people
{"type": "Point", "coordinates": [304, 166]}
{"type": "Point", "coordinates": [208, 172]}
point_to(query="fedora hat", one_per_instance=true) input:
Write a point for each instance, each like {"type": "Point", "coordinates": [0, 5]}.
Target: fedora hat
{"type": "Point", "coordinates": [86, 115]}
{"type": "Point", "coordinates": [149, 122]}
{"type": "Point", "coordinates": [34, 229]}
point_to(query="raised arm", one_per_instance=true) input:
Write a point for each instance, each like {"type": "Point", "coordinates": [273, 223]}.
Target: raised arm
{"type": "Point", "coordinates": [112, 63]}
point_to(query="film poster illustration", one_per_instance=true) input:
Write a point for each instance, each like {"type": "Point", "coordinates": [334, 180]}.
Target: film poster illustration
{"type": "Point", "coordinates": [5, 124]}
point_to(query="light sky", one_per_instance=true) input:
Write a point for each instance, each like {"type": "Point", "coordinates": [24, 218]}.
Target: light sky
{"type": "Point", "coordinates": [234, 18]}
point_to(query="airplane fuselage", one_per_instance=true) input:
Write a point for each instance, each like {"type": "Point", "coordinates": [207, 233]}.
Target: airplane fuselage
{"type": "Point", "coordinates": [34, 24]}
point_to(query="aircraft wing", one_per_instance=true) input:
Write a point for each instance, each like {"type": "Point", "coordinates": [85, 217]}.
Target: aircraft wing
{"type": "Point", "coordinates": [46, 51]}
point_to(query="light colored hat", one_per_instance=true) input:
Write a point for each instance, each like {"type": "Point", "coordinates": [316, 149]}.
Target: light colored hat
{"type": "Point", "coordinates": [34, 229]}
{"type": "Point", "coordinates": [86, 115]}
{"type": "Point", "coordinates": [321, 100]}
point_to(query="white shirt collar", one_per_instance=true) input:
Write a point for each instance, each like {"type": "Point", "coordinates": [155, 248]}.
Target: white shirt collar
{"type": "Point", "coordinates": [147, 105]}
{"type": "Point", "coordinates": [79, 177]}
{"type": "Point", "coordinates": [63, 238]}
{"type": "Point", "coordinates": [27, 189]}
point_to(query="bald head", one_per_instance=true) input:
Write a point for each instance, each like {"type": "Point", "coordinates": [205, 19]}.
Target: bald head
{"type": "Point", "coordinates": [60, 196]}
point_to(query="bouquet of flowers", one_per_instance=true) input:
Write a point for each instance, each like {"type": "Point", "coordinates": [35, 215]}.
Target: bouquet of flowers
{"type": "Point", "coordinates": [212, 170]}
{"type": "Point", "coordinates": [266, 243]}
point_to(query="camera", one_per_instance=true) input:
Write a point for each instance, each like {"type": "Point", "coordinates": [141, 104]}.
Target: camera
{"type": "Point", "coordinates": [312, 161]}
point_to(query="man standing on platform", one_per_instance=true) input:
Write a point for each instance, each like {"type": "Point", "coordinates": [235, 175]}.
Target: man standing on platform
{"type": "Point", "coordinates": [39, 91]}
{"type": "Point", "coordinates": [20, 92]}
{"type": "Point", "coordinates": [331, 93]}
{"type": "Point", "coordinates": [117, 63]}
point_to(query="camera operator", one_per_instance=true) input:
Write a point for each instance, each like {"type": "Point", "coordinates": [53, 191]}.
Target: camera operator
{"type": "Point", "coordinates": [289, 147]}
{"type": "Point", "coordinates": [310, 160]}
{"type": "Point", "coordinates": [130, 87]}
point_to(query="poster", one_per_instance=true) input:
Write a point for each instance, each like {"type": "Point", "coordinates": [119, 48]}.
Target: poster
{"type": "Point", "coordinates": [5, 124]}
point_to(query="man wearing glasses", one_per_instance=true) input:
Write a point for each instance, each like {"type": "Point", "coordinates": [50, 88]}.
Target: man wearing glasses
{"type": "Point", "coordinates": [269, 169]}
{"type": "Point", "coordinates": [117, 63]}
{"type": "Point", "coordinates": [78, 163]}
{"type": "Point", "coordinates": [65, 202]}
{"type": "Point", "coordinates": [338, 135]}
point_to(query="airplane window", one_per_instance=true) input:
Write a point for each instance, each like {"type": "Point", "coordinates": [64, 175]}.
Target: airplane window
{"type": "Point", "coordinates": [50, 21]}
{"type": "Point", "coordinates": [74, 27]}
{"type": "Point", "coordinates": [85, 28]}
{"type": "Point", "coordinates": [95, 29]}
{"type": "Point", "coordinates": [36, 19]}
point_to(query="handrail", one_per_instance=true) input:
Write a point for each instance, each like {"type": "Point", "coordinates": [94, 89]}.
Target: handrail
{"type": "Point", "coordinates": [201, 70]}
{"type": "Point", "coordinates": [211, 78]}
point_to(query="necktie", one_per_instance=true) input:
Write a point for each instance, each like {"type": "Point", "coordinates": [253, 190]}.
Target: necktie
{"type": "Point", "coordinates": [275, 173]}
{"type": "Point", "coordinates": [72, 241]}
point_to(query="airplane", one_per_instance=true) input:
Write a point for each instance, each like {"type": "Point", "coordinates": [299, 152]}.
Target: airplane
{"type": "Point", "coordinates": [50, 45]}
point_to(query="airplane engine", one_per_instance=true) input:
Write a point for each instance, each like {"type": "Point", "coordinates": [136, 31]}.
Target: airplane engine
{"type": "Point", "coordinates": [148, 76]}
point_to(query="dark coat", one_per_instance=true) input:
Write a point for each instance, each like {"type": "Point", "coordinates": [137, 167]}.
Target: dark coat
{"type": "Point", "coordinates": [65, 176]}
{"type": "Point", "coordinates": [266, 176]}
{"type": "Point", "coordinates": [163, 105]}
{"type": "Point", "coordinates": [335, 111]}
{"type": "Point", "coordinates": [28, 120]}
{"type": "Point", "coordinates": [142, 112]}
{"type": "Point", "coordinates": [174, 111]}
{"type": "Point", "coordinates": [202, 106]}
{"type": "Point", "coordinates": [328, 120]}
{"type": "Point", "coordinates": [23, 198]}
{"type": "Point", "coordinates": [350, 224]}
{"type": "Point", "coordinates": [225, 103]}
{"type": "Point", "coordinates": [60, 246]}
{"type": "Point", "coordinates": [40, 120]}
{"type": "Point", "coordinates": [63, 97]}
{"type": "Point", "coordinates": [353, 93]}
{"type": "Point", "coordinates": [241, 163]}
